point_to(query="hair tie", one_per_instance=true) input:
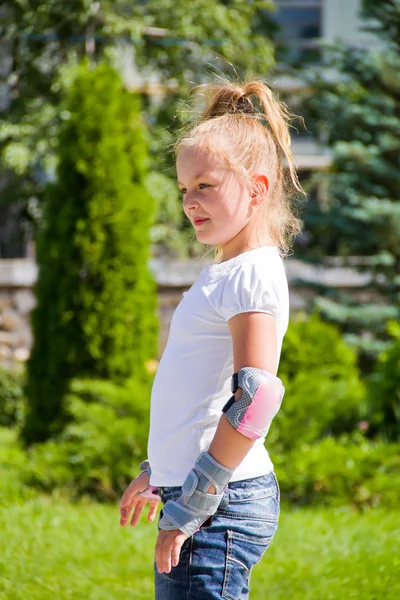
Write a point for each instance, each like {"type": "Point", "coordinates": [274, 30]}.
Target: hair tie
{"type": "Point", "coordinates": [244, 105]}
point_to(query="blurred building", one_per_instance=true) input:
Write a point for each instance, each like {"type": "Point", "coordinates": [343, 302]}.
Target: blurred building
{"type": "Point", "coordinates": [303, 27]}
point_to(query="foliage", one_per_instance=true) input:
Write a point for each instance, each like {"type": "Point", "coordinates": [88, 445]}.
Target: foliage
{"type": "Point", "coordinates": [167, 231]}
{"type": "Point", "coordinates": [101, 447]}
{"type": "Point", "coordinates": [13, 459]}
{"type": "Point", "coordinates": [11, 397]}
{"type": "Point", "coordinates": [323, 391]}
{"type": "Point", "coordinates": [354, 98]}
{"type": "Point", "coordinates": [338, 471]}
{"type": "Point", "coordinates": [384, 391]}
{"type": "Point", "coordinates": [96, 299]}
{"type": "Point", "coordinates": [159, 41]}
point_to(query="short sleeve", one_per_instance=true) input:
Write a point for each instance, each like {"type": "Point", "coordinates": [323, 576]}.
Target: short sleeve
{"type": "Point", "coordinates": [247, 288]}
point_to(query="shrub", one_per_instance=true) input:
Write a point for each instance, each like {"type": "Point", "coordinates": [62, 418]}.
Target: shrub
{"type": "Point", "coordinates": [347, 470]}
{"type": "Point", "coordinates": [13, 461]}
{"type": "Point", "coordinates": [11, 397]}
{"type": "Point", "coordinates": [96, 298]}
{"type": "Point", "coordinates": [384, 391]}
{"type": "Point", "coordinates": [99, 450]}
{"type": "Point", "coordinates": [323, 391]}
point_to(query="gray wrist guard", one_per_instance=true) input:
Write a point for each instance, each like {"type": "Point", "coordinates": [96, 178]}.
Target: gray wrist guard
{"type": "Point", "coordinates": [195, 505]}
{"type": "Point", "coordinates": [145, 466]}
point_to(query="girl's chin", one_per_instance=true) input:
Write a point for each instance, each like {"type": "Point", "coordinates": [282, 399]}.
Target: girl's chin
{"type": "Point", "coordinates": [207, 237]}
{"type": "Point", "coordinates": [204, 238]}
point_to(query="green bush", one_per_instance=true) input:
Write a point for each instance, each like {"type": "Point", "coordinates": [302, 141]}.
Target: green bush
{"type": "Point", "coordinates": [13, 461]}
{"type": "Point", "coordinates": [99, 450]}
{"type": "Point", "coordinates": [11, 397]}
{"type": "Point", "coordinates": [345, 470]}
{"type": "Point", "coordinates": [324, 394]}
{"type": "Point", "coordinates": [96, 314]}
{"type": "Point", "coordinates": [384, 391]}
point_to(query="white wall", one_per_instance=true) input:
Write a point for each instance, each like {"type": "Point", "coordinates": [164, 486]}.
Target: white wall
{"type": "Point", "coordinates": [341, 20]}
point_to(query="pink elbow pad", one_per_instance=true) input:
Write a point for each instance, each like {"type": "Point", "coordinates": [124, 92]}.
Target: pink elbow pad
{"type": "Point", "coordinates": [262, 396]}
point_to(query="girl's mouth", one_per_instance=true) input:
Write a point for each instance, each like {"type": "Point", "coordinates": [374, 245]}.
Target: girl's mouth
{"type": "Point", "coordinates": [200, 221]}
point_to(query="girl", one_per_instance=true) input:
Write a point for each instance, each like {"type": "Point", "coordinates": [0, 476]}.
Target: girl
{"type": "Point", "coordinates": [207, 461]}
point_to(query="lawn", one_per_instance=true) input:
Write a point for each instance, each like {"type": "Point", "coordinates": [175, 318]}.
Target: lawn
{"type": "Point", "coordinates": [51, 550]}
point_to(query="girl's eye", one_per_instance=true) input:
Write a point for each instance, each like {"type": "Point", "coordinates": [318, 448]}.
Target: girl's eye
{"type": "Point", "coordinates": [183, 190]}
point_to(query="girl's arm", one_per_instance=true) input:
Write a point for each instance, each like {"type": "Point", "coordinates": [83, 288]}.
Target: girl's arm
{"type": "Point", "coordinates": [254, 342]}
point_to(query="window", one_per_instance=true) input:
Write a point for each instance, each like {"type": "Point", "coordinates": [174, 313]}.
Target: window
{"type": "Point", "coordinates": [298, 24]}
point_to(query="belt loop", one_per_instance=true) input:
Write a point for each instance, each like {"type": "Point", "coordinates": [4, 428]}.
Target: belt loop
{"type": "Point", "coordinates": [225, 498]}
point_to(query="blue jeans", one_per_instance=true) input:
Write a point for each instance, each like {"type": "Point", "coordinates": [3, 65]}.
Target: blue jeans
{"type": "Point", "coordinates": [216, 561]}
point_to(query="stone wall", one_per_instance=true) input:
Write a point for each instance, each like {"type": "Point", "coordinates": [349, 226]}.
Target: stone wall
{"type": "Point", "coordinates": [17, 277]}
{"type": "Point", "coordinates": [174, 276]}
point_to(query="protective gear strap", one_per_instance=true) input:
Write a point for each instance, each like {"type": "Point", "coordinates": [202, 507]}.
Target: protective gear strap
{"type": "Point", "coordinates": [151, 492]}
{"type": "Point", "coordinates": [262, 396]}
{"type": "Point", "coordinates": [195, 505]}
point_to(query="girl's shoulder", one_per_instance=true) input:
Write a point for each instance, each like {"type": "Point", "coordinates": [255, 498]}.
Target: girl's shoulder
{"type": "Point", "coordinates": [260, 261]}
{"type": "Point", "coordinates": [248, 282]}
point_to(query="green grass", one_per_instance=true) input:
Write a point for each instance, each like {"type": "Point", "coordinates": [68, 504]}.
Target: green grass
{"type": "Point", "coordinates": [51, 549]}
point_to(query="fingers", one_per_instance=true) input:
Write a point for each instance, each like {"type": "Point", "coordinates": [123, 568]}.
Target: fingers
{"type": "Point", "coordinates": [140, 503]}
{"type": "Point", "coordinates": [137, 512]}
{"type": "Point", "coordinates": [175, 552]}
{"type": "Point", "coordinates": [138, 484]}
{"type": "Point", "coordinates": [135, 505]}
{"type": "Point", "coordinates": [131, 501]}
{"type": "Point", "coordinates": [152, 511]}
{"type": "Point", "coordinates": [125, 513]}
{"type": "Point", "coordinates": [128, 494]}
{"type": "Point", "coordinates": [168, 549]}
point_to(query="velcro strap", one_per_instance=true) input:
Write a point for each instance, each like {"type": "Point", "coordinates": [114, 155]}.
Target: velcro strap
{"type": "Point", "coordinates": [195, 505]}
{"type": "Point", "coordinates": [216, 473]}
{"type": "Point", "coordinates": [206, 478]}
{"type": "Point", "coordinates": [190, 483]}
{"type": "Point", "coordinates": [204, 502]}
{"type": "Point", "coordinates": [144, 465]}
{"type": "Point", "coordinates": [176, 516]}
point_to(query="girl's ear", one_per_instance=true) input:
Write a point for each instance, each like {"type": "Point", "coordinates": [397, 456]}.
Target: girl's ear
{"type": "Point", "coordinates": [260, 186]}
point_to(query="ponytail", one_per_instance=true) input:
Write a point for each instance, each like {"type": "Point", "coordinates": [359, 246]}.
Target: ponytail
{"type": "Point", "coordinates": [278, 119]}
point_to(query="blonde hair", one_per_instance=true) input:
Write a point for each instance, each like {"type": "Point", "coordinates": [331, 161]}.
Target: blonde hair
{"type": "Point", "coordinates": [258, 136]}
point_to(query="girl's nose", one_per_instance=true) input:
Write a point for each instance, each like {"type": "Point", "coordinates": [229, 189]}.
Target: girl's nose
{"type": "Point", "coordinates": [190, 202]}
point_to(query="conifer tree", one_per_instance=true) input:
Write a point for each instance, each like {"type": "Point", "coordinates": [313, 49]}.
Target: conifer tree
{"type": "Point", "coordinates": [355, 98]}
{"type": "Point", "coordinates": [96, 299]}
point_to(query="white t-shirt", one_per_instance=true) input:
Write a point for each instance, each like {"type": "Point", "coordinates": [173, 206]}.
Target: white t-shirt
{"type": "Point", "coordinates": [192, 382]}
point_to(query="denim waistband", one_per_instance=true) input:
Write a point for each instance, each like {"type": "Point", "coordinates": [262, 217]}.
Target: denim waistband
{"type": "Point", "coordinates": [244, 489]}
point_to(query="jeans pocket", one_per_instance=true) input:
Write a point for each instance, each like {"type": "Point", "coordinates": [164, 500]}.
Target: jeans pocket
{"type": "Point", "coordinates": [260, 513]}
{"type": "Point", "coordinates": [243, 551]}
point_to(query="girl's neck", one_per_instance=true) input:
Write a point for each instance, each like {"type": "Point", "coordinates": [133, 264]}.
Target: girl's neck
{"type": "Point", "coordinates": [230, 250]}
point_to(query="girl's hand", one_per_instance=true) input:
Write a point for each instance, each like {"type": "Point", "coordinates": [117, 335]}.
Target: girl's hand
{"type": "Point", "coordinates": [168, 549]}
{"type": "Point", "coordinates": [132, 501]}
